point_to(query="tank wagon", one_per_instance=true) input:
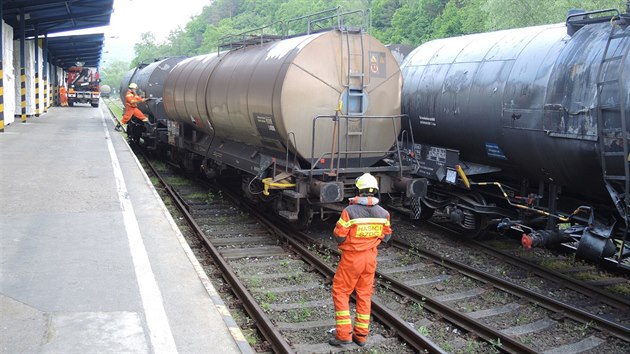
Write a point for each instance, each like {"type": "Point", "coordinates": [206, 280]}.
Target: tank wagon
{"type": "Point", "coordinates": [522, 127]}
{"type": "Point", "coordinates": [299, 117]}
{"type": "Point", "coordinates": [106, 90]}
{"type": "Point", "coordinates": [150, 78]}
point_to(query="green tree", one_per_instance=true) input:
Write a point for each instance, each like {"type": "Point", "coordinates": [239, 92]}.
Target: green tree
{"type": "Point", "coordinates": [413, 21]}
{"type": "Point", "coordinates": [381, 14]}
{"type": "Point", "coordinates": [460, 17]}
{"type": "Point", "coordinates": [502, 14]}
{"type": "Point", "coordinates": [113, 73]}
{"type": "Point", "coordinates": [393, 21]}
{"type": "Point", "coordinates": [147, 49]}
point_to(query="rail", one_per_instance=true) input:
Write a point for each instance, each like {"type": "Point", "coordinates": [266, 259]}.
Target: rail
{"type": "Point", "coordinates": [341, 17]}
{"type": "Point", "coordinates": [591, 19]}
{"type": "Point", "coordinates": [266, 327]}
{"type": "Point", "coordinates": [249, 38]}
{"type": "Point", "coordinates": [308, 19]}
{"type": "Point", "coordinates": [280, 30]}
{"type": "Point", "coordinates": [379, 310]}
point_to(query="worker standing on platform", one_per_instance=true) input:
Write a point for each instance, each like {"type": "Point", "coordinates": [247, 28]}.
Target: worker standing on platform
{"type": "Point", "coordinates": [131, 107]}
{"type": "Point", "coordinates": [63, 96]}
{"type": "Point", "coordinates": [360, 229]}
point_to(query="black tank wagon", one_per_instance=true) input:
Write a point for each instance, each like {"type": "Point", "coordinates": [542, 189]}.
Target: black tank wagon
{"type": "Point", "coordinates": [529, 126]}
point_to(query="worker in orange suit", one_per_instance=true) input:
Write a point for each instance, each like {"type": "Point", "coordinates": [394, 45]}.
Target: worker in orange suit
{"type": "Point", "coordinates": [63, 96]}
{"type": "Point", "coordinates": [131, 107]}
{"type": "Point", "coordinates": [360, 229]}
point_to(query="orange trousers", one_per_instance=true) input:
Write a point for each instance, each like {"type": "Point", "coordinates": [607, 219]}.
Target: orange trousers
{"type": "Point", "coordinates": [130, 112]}
{"type": "Point", "coordinates": [354, 273]}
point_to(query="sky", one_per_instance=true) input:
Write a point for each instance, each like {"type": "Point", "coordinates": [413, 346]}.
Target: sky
{"type": "Point", "coordinates": [131, 18]}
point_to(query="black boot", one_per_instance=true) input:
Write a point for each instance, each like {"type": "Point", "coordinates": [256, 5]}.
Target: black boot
{"type": "Point", "coordinates": [118, 127]}
{"type": "Point", "coordinates": [338, 342]}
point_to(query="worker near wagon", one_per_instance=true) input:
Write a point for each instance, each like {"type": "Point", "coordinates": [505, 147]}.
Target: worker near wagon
{"type": "Point", "coordinates": [360, 229]}
{"type": "Point", "coordinates": [131, 107]}
{"type": "Point", "coordinates": [63, 96]}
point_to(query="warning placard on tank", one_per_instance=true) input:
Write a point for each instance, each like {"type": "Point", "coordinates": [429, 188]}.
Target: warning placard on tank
{"type": "Point", "coordinates": [265, 126]}
{"type": "Point", "coordinates": [376, 64]}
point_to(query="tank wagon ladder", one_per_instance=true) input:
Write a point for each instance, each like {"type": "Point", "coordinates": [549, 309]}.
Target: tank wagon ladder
{"type": "Point", "coordinates": [607, 78]}
{"type": "Point", "coordinates": [355, 83]}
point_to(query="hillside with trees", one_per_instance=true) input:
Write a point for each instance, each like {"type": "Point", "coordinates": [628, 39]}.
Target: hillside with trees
{"type": "Point", "coordinates": [411, 22]}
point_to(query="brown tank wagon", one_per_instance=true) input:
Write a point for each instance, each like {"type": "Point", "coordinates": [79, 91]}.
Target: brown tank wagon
{"type": "Point", "coordinates": [298, 117]}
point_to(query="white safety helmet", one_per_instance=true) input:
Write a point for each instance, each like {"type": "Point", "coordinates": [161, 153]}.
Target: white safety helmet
{"type": "Point", "coordinates": [133, 86]}
{"type": "Point", "coordinates": [367, 182]}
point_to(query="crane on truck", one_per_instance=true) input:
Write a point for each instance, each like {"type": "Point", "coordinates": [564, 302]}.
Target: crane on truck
{"type": "Point", "coordinates": [83, 85]}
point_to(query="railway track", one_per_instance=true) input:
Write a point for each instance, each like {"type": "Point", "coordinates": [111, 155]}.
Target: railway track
{"type": "Point", "coordinates": [495, 309]}
{"type": "Point", "coordinates": [297, 301]}
{"type": "Point", "coordinates": [422, 297]}
{"type": "Point", "coordinates": [280, 283]}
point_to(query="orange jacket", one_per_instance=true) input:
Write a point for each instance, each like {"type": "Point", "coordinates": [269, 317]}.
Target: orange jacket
{"type": "Point", "coordinates": [363, 225]}
{"type": "Point", "coordinates": [132, 99]}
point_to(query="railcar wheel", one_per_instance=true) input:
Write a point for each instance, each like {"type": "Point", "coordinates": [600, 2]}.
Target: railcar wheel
{"type": "Point", "coordinates": [475, 224]}
{"type": "Point", "coordinates": [305, 217]}
{"type": "Point", "coordinates": [425, 212]}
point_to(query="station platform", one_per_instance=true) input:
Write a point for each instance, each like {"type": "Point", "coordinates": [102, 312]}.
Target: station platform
{"type": "Point", "coordinates": [90, 259]}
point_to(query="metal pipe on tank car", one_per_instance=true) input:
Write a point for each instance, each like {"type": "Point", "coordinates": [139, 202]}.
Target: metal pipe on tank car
{"type": "Point", "coordinates": [308, 17]}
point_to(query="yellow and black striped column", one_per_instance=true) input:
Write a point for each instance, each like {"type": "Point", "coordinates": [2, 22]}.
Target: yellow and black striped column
{"type": "Point", "coordinates": [23, 93]}
{"type": "Point", "coordinates": [22, 67]}
{"type": "Point", "coordinates": [1, 94]}
{"type": "Point", "coordinates": [45, 67]}
{"type": "Point", "coordinates": [36, 94]}
{"type": "Point", "coordinates": [36, 45]}
{"type": "Point", "coordinates": [45, 95]}
{"type": "Point", "coordinates": [56, 95]}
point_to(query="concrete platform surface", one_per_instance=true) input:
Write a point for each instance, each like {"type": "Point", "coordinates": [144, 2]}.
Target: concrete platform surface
{"type": "Point", "coordinates": [90, 259]}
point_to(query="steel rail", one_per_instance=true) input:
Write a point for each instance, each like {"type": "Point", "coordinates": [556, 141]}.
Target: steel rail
{"type": "Point", "coordinates": [263, 323]}
{"type": "Point", "coordinates": [559, 278]}
{"type": "Point", "coordinates": [379, 310]}
{"type": "Point", "coordinates": [451, 315]}
{"type": "Point", "coordinates": [551, 304]}
{"type": "Point", "coordinates": [572, 312]}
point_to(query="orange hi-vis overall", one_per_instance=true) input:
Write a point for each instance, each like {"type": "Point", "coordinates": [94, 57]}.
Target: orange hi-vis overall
{"type": "Point", "coordinates": [360, 229]}
{"type": "Point", "coordinates": [63, 96]}
{"type": "Point", "coordinates": [131, 107]}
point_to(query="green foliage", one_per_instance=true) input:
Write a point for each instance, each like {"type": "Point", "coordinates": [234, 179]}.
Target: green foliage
{"type": "Point", "coordinates": [113, 73]}
{"type": "Point", "coordinates": [147, 49]}
{"type": "Point", "coordinates": [410, 22]}
{"type": "Point", "coordinates": [459, 17]}
{"type": "Point", "coordinates": [504, 14]}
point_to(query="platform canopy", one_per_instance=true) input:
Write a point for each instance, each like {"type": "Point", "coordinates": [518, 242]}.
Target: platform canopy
{"type": "Point", "coordinates": [46, 17]}
{"type": "Point", "coordinates": [67, 51]}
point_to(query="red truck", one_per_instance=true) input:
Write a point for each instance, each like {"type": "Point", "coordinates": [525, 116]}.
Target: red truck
{"type": "Point", "coordinates": [83, 86]}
